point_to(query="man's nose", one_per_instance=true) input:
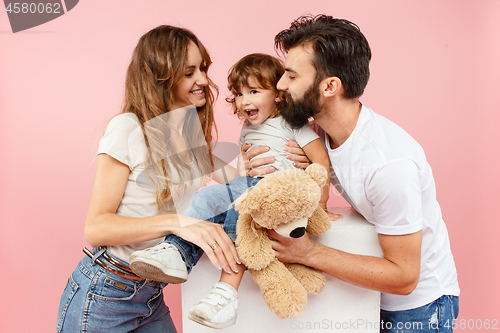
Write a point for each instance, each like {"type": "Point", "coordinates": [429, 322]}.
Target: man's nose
{"type": "Point", "coordinates": [281, 84]}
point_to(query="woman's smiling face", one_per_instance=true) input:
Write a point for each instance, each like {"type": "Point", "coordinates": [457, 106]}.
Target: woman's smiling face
{"type": "Point", "coordinates": [190, 90]}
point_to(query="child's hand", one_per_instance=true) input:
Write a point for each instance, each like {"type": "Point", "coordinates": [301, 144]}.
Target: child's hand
{"type": "Point", "coordinates": [332, 216]}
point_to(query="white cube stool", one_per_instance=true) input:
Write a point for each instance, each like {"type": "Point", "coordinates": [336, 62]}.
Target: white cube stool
{"type": "Point", "coordinates": [340, 307]}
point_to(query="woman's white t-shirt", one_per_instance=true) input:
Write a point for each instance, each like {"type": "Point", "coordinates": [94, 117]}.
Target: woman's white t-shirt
{"type": "Point", "coordinates": [124, 141]}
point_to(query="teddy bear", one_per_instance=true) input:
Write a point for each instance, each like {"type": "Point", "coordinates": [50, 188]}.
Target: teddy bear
{"type": "Point", "coordinates": [288, 202]}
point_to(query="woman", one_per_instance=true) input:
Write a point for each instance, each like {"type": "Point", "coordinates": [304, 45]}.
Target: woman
{"type": "Point", "coordinates": [152, 158]}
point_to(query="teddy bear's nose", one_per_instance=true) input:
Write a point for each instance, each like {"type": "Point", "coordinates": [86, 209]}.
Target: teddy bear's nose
{"type": "Point", "coordinates": [298, 232]}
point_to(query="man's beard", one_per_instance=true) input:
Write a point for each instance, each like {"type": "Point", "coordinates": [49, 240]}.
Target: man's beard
{"type": "Point", "coordinates": [297, 113]}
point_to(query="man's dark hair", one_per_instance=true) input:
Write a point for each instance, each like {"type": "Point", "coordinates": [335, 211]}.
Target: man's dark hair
{"type": "Point", "coordinates": [340, 49]}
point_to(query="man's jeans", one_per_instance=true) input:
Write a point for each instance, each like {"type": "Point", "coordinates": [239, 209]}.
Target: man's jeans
{"type": "Point", "coordinates": [437, 316]}
{"type": "Point", "coordinates": [212, 204]}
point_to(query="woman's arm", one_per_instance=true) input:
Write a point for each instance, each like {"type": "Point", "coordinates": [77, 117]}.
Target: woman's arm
{"type": "Point", "coordinates": [104, 227]}
{"type": "Point", "coordinates": [223, 171]}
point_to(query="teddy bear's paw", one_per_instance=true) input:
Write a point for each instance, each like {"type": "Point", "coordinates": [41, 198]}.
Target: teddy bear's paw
{"type": "Point", "coordinates": [312, 280]}
{"type": "Point", "coordinates": [283, 293]}
{"type": "Point", "coordinates": [255, 260]}
{"type": "Point", "coordinates": [292, 307]}
{"type": "Point", "coordinates": [253, 245]}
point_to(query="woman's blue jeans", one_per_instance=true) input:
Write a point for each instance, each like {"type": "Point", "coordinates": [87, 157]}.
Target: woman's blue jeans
{"type": "Point", "coordinates": [437, 316]}
{"type": "Point", "coordinates": [96, 300]}
{"type": "Point", "coordinates": [212, 204]}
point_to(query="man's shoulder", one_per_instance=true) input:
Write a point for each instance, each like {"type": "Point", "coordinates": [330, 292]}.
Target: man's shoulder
{"type": "Point", "coordinates": [370, 118]}
{"type": "Point", "coordinates": [376, 126]}
{"type": "Point", "coordinates": [389, 141]}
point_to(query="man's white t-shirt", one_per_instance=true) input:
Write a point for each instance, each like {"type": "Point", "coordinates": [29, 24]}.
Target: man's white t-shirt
{"type": "Point", "coordinates": [275, 132]}
{"type": "Point", "coordinates": [124, 141]}
{"type": "Point", "coordinates": [383, 173]}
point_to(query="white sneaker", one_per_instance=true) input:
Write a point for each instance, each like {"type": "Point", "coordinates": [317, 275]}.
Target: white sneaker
{"type": "Point", "coordinates": [162, 263]}
{"type": "Point", "coordinates": [218, 309]}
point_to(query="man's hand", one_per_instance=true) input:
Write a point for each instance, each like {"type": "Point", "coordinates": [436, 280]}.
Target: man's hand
{"type": "Point", "coordinates": [297, 155]}
{"type": "Point", "coordinates": [292, 250]}
{"type": "Point", "coordinates": [396, 273]}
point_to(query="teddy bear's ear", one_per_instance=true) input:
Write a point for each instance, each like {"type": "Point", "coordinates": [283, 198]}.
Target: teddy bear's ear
{"type": "Point", "coordinates": [241, 204]}
{"type": "Point", "coordinates": [242, 197]}
{"type": "Point", "coordinates": [318, 173]}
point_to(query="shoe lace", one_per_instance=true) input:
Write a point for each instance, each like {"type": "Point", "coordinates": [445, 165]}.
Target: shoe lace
{"type": "Point", "coordinates": [157, 249]}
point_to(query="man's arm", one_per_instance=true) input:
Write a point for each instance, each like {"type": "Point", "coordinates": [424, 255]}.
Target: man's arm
{"type": "Point", "coordinates": [397, 272]}
{"type": "Point", "coordinates": [317, 154]}
{"type": "Point", "coordinates": [394, 191]}
{"type": "Point", "coordinates": [315, 151]}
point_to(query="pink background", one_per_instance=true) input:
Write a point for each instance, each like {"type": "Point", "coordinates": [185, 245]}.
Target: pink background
{"type": "Point", "coordinates": [435, 72]}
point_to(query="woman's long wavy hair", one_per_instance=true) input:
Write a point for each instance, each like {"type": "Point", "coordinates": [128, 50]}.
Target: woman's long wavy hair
{"type": "Point", "coordinates": [159, 61]}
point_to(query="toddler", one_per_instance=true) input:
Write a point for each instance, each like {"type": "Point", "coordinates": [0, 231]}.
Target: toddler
{"type": "Point", "coordinates": [252, 82]}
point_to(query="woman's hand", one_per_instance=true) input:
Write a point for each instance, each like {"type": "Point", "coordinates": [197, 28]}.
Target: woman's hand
{"type": "Point", "coordinates": [213, 240]}
{"type": "Point", "coordinates": [251, 168]}
{"type": "Point", "coordinates": [297, 155]}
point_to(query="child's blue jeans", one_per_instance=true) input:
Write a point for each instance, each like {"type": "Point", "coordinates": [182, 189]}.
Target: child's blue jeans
{"type": "Point", "coordinates": [212, 204]}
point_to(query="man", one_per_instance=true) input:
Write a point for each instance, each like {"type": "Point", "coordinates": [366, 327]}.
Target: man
{"type": "Point", "coordinates": [379, 169]}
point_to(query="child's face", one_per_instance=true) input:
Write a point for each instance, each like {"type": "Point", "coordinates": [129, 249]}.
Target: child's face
{"type": "Point", "coordinates": [256, 104]}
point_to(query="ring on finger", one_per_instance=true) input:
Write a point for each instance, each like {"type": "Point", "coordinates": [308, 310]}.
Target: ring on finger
{"type": "Point", "coordinates": [214, 245]}
{"type": "Point", "coordinates": [248, 173]}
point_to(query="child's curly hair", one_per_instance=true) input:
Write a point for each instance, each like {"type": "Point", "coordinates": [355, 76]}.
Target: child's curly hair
{"type": "Point", "coordinates": [266, 69]}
